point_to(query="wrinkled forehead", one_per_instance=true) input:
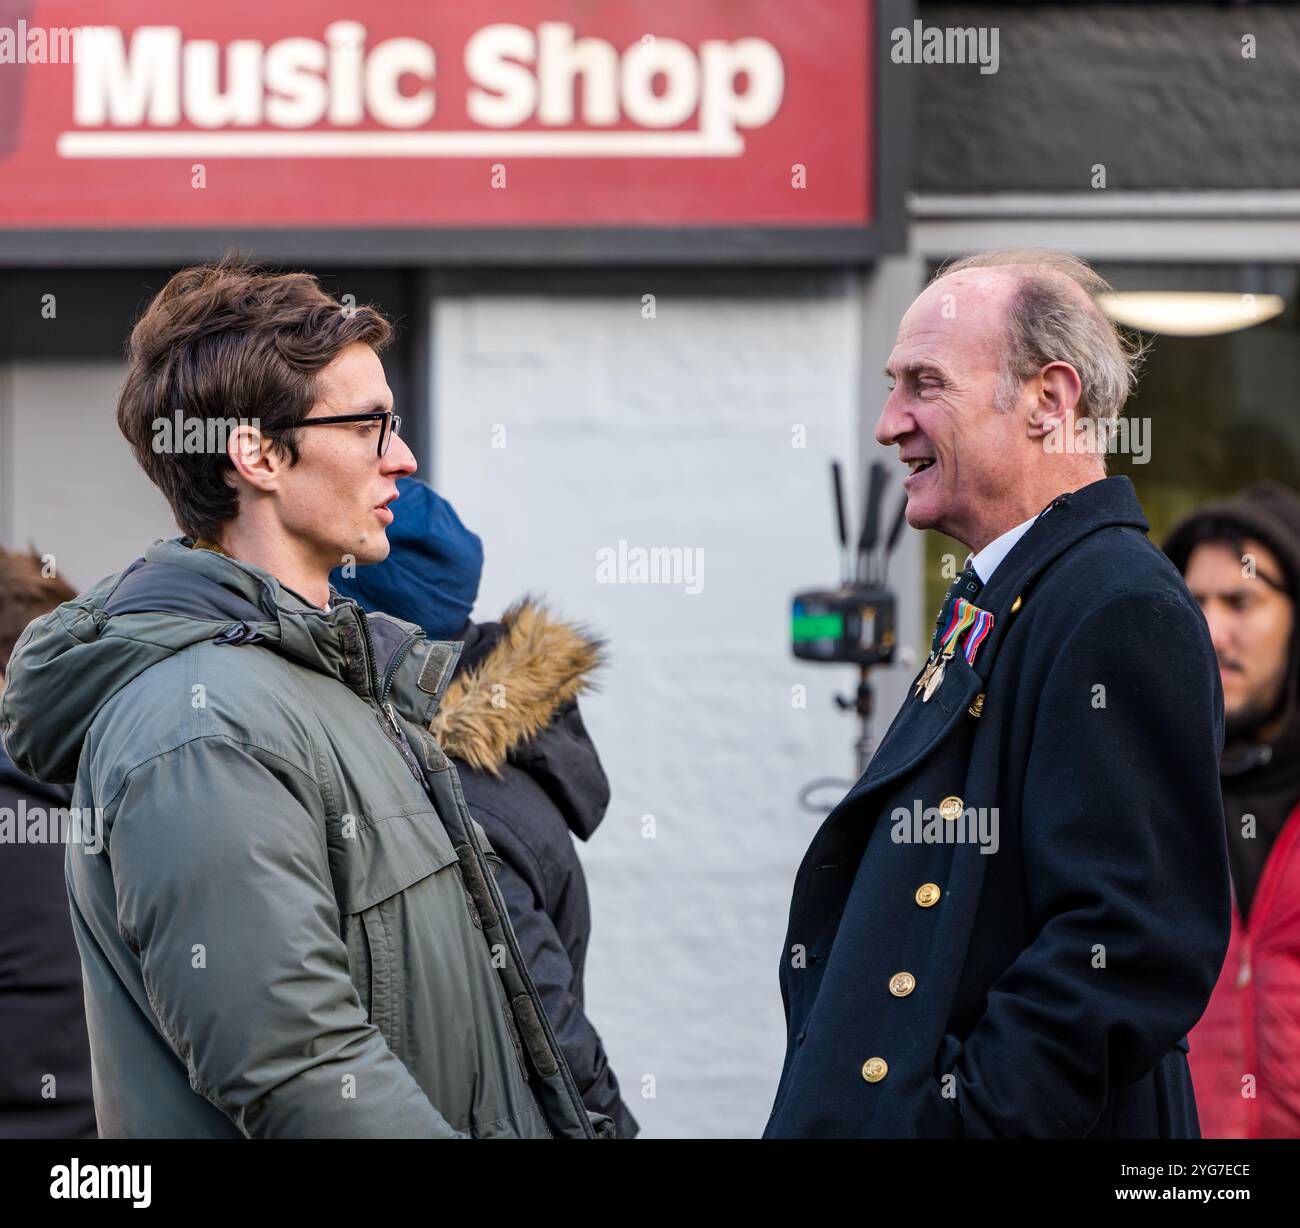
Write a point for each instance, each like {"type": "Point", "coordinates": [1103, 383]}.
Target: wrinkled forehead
{"type": "Point", "coordinates": [957, 321]}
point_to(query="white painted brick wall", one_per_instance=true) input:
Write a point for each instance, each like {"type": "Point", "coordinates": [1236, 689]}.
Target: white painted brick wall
{"type": "Point", "coordinates": [674, 431]}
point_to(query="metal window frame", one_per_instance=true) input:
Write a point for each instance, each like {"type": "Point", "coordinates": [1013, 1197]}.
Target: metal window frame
{"type": "Point", "coordinates": [1144, 227]}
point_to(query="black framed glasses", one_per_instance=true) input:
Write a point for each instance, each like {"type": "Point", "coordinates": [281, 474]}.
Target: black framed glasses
{"type": "Point", "coordinates": [390, 424]}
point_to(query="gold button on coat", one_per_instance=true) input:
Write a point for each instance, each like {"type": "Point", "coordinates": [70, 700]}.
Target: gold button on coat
{"type": "Point", "coordinates": [927, 894]}
{"type": "Point", "coordinates": [951, 807]}
{"type": "Point", "coordinates": [901, 984]}
{"type": "Point", "coordinates": [874, 1069]}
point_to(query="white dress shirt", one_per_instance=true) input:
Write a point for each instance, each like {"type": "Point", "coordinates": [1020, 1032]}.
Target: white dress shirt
{"type": "Point", "coordinates": [987, 560]}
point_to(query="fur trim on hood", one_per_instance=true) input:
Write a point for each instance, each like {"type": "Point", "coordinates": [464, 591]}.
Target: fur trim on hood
{"type": "Point", "coordinates": [536, 665]}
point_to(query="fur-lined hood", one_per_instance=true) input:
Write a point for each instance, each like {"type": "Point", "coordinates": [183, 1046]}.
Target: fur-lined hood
{"type": "Point", "coordinates": [513, 701]}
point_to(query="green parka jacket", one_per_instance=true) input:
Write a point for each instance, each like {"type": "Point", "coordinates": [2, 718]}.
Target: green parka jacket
{"type": "Point", "coordinates": [292, 928]}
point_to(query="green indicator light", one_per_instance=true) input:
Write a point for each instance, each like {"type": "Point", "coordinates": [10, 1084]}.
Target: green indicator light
{"type": "Point", "coordinates": [818, 626]}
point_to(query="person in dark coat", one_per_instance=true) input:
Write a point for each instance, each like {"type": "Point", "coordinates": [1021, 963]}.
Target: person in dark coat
{"type": "Point", "coordinates": [530, 772]}
{"type": "Point", "coordinates": [45, 1089]}
{"type": "Point", "coordinates": [1013, 919]}
{"type": "Point", "coordinates": [1241, 561]}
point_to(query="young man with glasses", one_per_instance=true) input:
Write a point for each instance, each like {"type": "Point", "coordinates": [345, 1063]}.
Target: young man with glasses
{"type": "Point", "coordinates": [292, 928]}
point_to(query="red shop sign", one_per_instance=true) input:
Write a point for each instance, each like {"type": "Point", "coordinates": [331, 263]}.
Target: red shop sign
{"type": "Point", "coordinates": [677, 116]}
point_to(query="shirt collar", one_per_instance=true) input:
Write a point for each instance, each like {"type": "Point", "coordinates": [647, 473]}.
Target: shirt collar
{"type": "Point", "coordinates": [987, 560]}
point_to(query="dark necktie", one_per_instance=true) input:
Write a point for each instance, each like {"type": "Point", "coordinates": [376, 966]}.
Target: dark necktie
{"type": "Point", "coordinates": [966, 585]}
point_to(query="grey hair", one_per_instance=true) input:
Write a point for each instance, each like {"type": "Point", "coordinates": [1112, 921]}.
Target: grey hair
{"type": "Point", "coordinates": [1048, 322]}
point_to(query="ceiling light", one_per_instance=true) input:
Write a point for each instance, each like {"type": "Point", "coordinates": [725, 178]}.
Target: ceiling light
{"type": "Point", "coordinates": [1186, 313]}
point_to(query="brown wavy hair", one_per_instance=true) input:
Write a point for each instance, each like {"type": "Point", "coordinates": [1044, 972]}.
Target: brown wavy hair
{"type": "Point", "coordinates": [25, 593]}
{"type": "Point", "coordinates": [230, 340]}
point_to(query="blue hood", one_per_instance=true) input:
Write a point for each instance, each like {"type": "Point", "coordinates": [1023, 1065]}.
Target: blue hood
{"type": "Point", "coordinates": [431, 574]}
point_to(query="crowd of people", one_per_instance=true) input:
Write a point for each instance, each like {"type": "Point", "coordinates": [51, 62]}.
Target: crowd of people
{"type": "Point", "coordinates": [336, 890]}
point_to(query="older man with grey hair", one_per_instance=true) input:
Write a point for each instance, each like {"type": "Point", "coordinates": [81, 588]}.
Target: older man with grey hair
{"type": "Point", "coordinates": [1011, 922]}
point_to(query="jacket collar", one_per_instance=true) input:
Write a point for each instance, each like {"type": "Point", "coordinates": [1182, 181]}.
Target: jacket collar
{"type": "Point", "coordinates": [364, 653]}
{"type": "Point", "coordinates": [73, 660]}
{"type": "Point", "coordinates": [1068, 520]}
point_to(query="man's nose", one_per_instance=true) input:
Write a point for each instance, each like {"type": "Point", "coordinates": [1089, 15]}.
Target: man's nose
{"type": "Point", "coordinates": [399, 460]}
{"type": "Point", "coordinates": [893, 422]}
{"type": "Point", "coordinates": [1220, 623]}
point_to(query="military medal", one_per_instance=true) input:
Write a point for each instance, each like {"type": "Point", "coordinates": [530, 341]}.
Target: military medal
{"type": "Point", "coordinates": [923, 680]}
{"type": "Point", "coordinates": [933, 682]}
{"type": "Point", "coordinates": [979, 631]}
{"type": "Point", "coordinates": [967, 622]}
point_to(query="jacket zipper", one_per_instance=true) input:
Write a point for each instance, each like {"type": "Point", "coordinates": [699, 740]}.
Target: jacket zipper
{"type": "Point", "coordinates": [398, 658]}
{"type": "Point", "coordinates": [386, 713]}
{"type": "Point", "coordinates": [369, 645]}
{"type": "Point", "coordinates": [388, 719]}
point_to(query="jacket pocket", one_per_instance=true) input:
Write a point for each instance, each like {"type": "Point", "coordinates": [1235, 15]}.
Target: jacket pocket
{"type": "Point", "coordinates": [943, 1111]}
{"type": "Point", "coordinates": [382, 853]}
{"type": "Point", "coordinates": [373, 859]}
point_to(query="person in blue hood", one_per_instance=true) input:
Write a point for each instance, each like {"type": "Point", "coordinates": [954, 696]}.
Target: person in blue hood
{"type": "Point", "coordinates": [530, 772]}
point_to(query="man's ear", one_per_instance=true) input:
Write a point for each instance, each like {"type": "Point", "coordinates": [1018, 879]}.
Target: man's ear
{"type": "Point", "coordinates": [1056, 391]}
{"type": "Point", "coordinates": [254, 458]}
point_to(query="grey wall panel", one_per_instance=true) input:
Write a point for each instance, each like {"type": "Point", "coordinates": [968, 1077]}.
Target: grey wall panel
{"type": "Point", "coordinates": [1159, 94]}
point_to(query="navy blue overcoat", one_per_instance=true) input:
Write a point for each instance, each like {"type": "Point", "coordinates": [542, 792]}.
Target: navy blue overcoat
{"type": "Point", "coordinates": [1011, 922]}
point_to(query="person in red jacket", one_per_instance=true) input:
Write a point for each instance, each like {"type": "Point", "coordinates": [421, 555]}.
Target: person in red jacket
{"type": "Point", "coordinates": [1241, 561]}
